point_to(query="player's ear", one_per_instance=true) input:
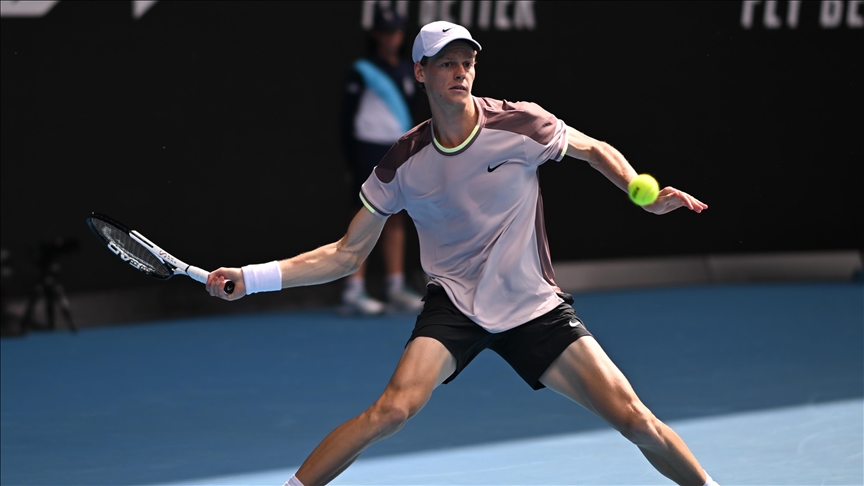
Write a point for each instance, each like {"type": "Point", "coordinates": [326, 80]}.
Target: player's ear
{"type": "Point", "coordinates": [418, 72]}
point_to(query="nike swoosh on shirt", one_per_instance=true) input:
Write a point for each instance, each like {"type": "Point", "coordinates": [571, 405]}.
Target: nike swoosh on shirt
{"type": "Point", "coordinates": [490, 168]}
{"type": "Point", "coordinates": [445, 30]}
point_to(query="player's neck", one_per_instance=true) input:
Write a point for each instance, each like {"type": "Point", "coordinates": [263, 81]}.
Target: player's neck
{"type": "Point", "coordinates": [453, 124]}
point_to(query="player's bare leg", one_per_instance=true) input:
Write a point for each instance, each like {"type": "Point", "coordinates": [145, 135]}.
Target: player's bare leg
{"type": "Point", "coordinates": [585, 374]}
{"type": "Point", "coordinates": [424, 365]}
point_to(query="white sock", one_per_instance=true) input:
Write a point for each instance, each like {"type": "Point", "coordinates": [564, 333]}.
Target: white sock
{"type": "Point", "coordinates": [708, 480]}
{"type": "Point", "coordinates": [395, 282]}
{"type": "Point", "coordinates": [353, 287]}
{"type": "Point", "coordinates": [293, 482]}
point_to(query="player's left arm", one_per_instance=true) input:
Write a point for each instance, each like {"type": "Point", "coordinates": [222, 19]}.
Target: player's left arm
{"type": "Point", "coordinates": [611, 163]}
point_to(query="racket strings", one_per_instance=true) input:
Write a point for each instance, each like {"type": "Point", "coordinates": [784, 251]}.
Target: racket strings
{"type": "Point", "coordinates": [130, 250]}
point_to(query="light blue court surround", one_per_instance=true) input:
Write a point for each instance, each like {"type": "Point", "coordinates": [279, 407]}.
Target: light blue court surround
{"type": "Point", "coordinates": [764, 382]}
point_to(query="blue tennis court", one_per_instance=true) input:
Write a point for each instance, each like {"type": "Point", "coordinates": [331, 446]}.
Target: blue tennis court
{"type": "Point", "coordinates": [765, 382]}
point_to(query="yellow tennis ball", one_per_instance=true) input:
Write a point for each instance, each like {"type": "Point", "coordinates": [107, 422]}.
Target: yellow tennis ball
{"type": "Point", "coordinates": [643, 189]}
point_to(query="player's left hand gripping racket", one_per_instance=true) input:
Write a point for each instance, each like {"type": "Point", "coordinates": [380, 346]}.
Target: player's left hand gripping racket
{"type": "Point", "coordinates": [136, 250]}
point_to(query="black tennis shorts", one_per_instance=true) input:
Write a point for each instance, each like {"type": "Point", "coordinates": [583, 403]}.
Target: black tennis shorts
{"type": "Point", "coordinates": [529, 348]}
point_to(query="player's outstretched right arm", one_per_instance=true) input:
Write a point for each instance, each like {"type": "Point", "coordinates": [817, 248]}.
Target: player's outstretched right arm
{"type": "Point", "coordinates": [324, 264]}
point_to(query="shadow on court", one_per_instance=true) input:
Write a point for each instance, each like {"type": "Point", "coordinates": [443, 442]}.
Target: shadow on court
{"type": "Point", "coordinates": [168, 401]}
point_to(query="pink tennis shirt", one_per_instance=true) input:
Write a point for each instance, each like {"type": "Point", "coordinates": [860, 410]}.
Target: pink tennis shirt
{"type": "Point", "coordinates": [478, 210]}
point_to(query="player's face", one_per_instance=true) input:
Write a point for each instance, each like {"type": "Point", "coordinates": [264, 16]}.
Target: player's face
{"type": "Point", "coordinates": [449, 75]}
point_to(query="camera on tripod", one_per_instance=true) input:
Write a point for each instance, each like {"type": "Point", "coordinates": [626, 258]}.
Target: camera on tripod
{"type": "Point", "coordinates": [49, 251]}
{"type": "Point", "coordinates": [48, 289]}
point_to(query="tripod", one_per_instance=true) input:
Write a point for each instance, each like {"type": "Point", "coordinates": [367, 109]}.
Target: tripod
{"type": "Point", "coordinates": [49, 289]}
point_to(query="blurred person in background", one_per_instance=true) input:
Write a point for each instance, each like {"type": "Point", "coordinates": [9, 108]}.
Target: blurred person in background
{"type": "Point", "coordinates": [377, 108]}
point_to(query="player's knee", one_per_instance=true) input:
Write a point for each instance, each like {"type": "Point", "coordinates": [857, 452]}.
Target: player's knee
{"type": "Point", "coordinates": [388, 416]}
{"type": "Point", "coordinates": [640, 426]}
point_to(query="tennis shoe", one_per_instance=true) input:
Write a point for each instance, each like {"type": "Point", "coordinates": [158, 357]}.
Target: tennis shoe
{"type": "Point", "coordinates": [404, 300]}
{"type": "Point", "coordinates": [361, 304]}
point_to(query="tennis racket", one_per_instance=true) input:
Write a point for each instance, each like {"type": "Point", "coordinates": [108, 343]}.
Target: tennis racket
{"type": "Point", "coordinates": [142, 254]}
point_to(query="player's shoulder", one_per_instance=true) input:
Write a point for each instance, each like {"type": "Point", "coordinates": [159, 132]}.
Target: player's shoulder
{"type": "Point", "coordinates": [504, 108]}
{"type": "Point", "coordinates": [406, 147]}
{"type": "Point", "coordinates": [522, 117]}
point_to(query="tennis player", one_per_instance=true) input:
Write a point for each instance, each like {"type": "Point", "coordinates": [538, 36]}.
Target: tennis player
{"type": "Point", "coordinates": [468, 179]}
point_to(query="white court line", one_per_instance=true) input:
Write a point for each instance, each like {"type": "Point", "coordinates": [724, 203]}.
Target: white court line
{"type": "Point", "coordinates": [809, 444]}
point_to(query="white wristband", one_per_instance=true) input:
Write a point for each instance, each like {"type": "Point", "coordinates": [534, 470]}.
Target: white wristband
{"type": "Point", "coordinates": [264, 277]}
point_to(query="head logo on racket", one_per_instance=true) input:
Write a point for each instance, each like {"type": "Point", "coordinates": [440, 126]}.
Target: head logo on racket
{"type": "Point", "coordinates": [142, 254]}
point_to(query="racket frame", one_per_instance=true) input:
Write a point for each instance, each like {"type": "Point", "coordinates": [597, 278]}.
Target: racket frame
{"type": "Point", "coordinates": [171, 263]}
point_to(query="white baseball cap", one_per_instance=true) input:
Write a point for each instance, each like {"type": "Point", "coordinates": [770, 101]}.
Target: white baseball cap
{"type": "Point", "coordinates": [434, 36]}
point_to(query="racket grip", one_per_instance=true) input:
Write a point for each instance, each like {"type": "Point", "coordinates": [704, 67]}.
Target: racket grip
{"type": "Point", "coordinates": [201, 276]}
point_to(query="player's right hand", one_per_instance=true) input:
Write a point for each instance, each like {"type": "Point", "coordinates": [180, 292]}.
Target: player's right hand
{"type": "Point", "coordinates": [216, 282]}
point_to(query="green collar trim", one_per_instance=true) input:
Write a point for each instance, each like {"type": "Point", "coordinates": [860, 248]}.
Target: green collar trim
{"type": "Point", "coordinates": [460, 146]}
